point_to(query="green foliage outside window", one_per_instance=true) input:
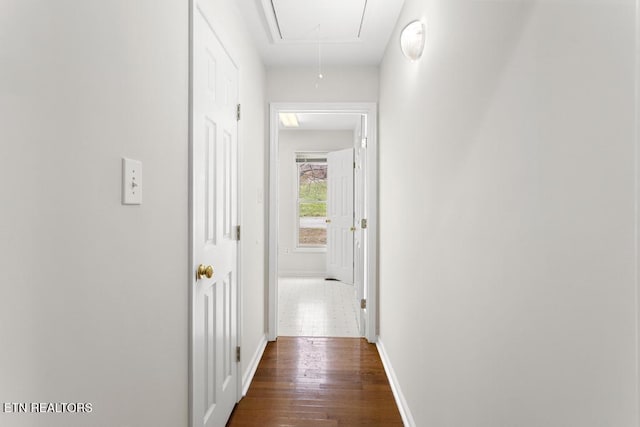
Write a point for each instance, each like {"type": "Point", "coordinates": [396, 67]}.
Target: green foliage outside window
{"type": "Point", "coordinates": [312, 203]}
{"type": "Point", "coordinates": [313, 198]}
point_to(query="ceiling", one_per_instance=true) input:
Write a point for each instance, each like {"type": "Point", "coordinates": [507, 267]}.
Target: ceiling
{"type": "Point", "coordinates": [339, 32]}
{"type": "Point", "coordinates": [325, 121]}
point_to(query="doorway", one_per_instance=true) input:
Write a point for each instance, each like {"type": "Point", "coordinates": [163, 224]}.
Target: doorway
{"type": "Point", "coordinates": [313, 228]}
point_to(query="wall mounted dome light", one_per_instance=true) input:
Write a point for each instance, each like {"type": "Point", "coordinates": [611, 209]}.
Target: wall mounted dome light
{"type": "Point", "coordinates": [412, 40]}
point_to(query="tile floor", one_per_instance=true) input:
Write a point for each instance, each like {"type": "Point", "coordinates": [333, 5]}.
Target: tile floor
{"type": "Point", "coordinates": [314, 307]}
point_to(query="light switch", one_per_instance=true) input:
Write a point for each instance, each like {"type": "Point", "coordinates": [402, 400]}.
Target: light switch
{"type": "Point", "coordinates": [131, 182]}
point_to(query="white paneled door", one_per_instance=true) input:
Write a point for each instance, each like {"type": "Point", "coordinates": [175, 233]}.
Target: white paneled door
{"type": "Point", "coordinates": [360, 210]}
{"type": "Point", "coordinates": [214, 369]}
{"type": "Point", "coordinates": [340, 221]}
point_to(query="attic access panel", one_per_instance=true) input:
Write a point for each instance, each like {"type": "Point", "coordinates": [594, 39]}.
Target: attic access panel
{"type": "Point", "coordinates": [339, 20]}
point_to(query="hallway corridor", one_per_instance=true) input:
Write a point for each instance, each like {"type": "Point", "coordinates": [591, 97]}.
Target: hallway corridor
{"type": "Point", "coordinates": [318, 382]}
{"type": "Point", "coordinates": [164, 163]}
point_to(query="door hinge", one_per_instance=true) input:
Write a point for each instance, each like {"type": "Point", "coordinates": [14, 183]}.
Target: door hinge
{"type": "Point", "coordinates": [237, 354]}
{"type": "Point", "coordinates": [238, 112]}
{"type": "Point", "coordinates": [363, 304]}
{"type": "Point", "coordinates": [364, 142]}
{"type": "Point", "coordinates": [237, 232]}
{"type": "Point", "coordinates": [354, 165]}
{"type": "Point", "coordinates": [363, 223]}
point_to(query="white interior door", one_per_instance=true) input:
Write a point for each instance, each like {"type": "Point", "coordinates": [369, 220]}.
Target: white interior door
{"type": "Point", "coordinates": [359, 244]}
{"type": "Point", "coordinates": [340, 227]}
{"type": "Point", "coordinates": [214, 166]}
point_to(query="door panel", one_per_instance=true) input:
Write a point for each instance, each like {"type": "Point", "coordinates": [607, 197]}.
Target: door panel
{"type": "Point", "coordinates": [214, 198]}
{"type": "Point", "coordinates": [210, 191]}
{"type": "Point", "coordinates": [340, 215]}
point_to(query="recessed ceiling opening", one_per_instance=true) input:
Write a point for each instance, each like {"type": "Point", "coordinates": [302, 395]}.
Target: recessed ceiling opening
{"type": "Point", "coordinates": [310, 20]}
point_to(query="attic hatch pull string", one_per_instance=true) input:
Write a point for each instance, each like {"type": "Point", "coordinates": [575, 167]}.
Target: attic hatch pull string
{"type": "Point", "coordinates": [320, 76]}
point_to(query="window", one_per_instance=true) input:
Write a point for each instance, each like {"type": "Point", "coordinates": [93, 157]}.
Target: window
{"type": "Point", "coordinates": [311, 203]}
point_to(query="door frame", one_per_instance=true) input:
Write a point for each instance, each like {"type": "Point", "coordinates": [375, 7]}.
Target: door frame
{"type": "Point", "coordinates": [371, 176]}
{"type": "Point", "coordinates": [194, 7]}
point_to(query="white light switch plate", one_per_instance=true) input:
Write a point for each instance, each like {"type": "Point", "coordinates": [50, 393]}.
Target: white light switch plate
{"type": "Point", "coordinates": [131, 182]}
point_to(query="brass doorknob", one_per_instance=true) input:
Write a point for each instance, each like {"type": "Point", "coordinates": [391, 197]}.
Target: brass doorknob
{"type": "Point", "coordinates": [353, 229]}
{"type": "Point", "coordinates": [327, 221]}
{"type": "Point", "coordinates": [204, 271]}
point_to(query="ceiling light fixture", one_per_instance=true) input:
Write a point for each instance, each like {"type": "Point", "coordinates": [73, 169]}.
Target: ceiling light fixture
{"type": "Point", "coordinates": [289, 120]}
{"type": "Point", "coordinates": [412, 40]}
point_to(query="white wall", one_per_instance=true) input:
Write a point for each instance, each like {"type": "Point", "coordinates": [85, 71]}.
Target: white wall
{"type": "Point", "coordinates": [340, 84]}
{"type": "Point", "coordinates": [292, 261]}
{"type": "Point", "coordinates": [507, 184]}
{"type": "Point", "coordinates": [94, 304]}
{"type": "Point", "coordinates": [94, 299]}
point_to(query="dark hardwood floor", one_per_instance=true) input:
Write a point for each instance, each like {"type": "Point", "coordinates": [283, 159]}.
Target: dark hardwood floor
{"type": "Point", "coordinates": [309, 381]}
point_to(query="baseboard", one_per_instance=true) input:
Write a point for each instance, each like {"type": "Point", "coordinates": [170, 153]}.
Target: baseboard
{"type": "Point", "coordinates": [253, 365]}
{"type": "Point", "coordinates": [403, 407]}
{"type": "Point", "coordinates": [301, 273]}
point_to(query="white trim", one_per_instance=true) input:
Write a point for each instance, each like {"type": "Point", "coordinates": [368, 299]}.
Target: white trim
{"type": "Point", "coordinates": [310, 250]}
{"type": "Point", "coordinates": [371, 266]}
{"type": "Point", "coordinates": [253, 365]}
{"type": "Point", "coordinates": [272, 326]}
{"type": "Point", "coordinates": [371, 211]}
{"type": "Point", "coordinates": [403, 407]}
{"type": "Point", "coordinates": [302, 273]}
{"type": "Point", "coordinates": [274, 32]}
{"type": "Point", "coordinates": [240, 247]}
{"type": "Point", "coordinates": [636, 204]}
{"type": "Point", "coordinates": [191, 225]}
